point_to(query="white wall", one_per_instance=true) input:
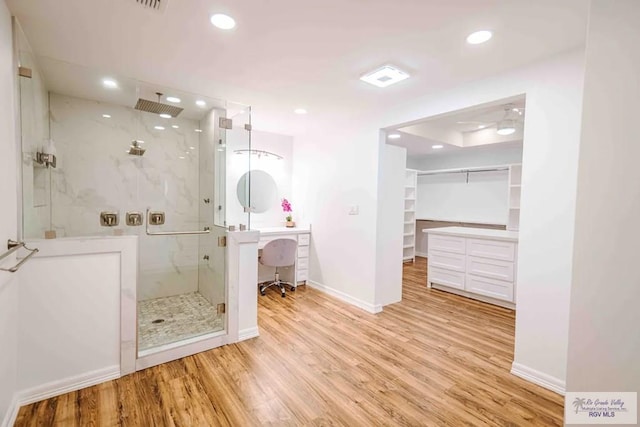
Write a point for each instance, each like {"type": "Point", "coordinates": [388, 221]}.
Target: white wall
{"type": "Point", "coordinates": [339, 166]}
{"type": "Point", "coordinates": [335, 168]}
{"type": "Point", "coordinates": [604, 343]}
{"type": "Point", "coordinates": [8, 223]}
{"type": "Point", "coordinates": [554, 99]}
{"type": "Point", "coordinates": [449, 197]}
{"type": "Point", "coordinates": [391, 183]}
{"type": "Point", "coordinates": [467, 158]}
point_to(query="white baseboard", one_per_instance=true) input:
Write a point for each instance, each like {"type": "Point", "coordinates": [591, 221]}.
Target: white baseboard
{"type": "Point", "coordinates": [539, 378]}
{"type": "Point", "coordinates": [12, 412]}
{"type": "Point", "coordinates": [422, 254]}
{"type": "Point", "coordinates": [371, 308]}
{"type": "Point", "coordinates": [66, 385]}
{"type": "Point", "coordinates": [248, 333]}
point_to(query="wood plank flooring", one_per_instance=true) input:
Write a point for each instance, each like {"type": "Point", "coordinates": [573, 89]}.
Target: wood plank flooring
{"type": "Point", "coordinates": [433, 359]}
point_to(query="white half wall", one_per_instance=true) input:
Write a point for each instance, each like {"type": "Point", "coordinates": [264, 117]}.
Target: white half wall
{"type": "Point", "coordinates": [8, 224]}
{"type": "Point", "coordinates": [391, 182]}
{"type": "Point", "coordinates": [604, 343]}
{"type": "Point", "coordinates": [77, 314]}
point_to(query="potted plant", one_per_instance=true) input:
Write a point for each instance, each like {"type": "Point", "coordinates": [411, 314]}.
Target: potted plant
{"type": "Point", "coordinates": [286, 208]}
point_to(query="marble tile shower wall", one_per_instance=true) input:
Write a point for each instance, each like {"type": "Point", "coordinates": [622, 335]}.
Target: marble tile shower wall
{"type": "Point", "coordinates": [96, 174]}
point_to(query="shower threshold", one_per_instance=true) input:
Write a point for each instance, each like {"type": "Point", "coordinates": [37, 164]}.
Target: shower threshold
{"type": "Point", "coordinates": [174, 319]}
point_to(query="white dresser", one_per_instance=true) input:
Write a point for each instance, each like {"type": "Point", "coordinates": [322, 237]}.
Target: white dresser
{"type": "Point", "coordinates": [474, 262]}
{"type": "Point", "coordinates": [302, 235]}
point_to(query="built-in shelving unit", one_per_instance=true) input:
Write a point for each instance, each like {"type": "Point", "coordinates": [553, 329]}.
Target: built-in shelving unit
{"type": "Point", "coordinates": [409, 236]}
{"type": "Point", "coordinates": [515, 190]}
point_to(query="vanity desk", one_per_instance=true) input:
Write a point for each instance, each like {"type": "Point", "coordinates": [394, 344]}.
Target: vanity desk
{"type": "Point", "coordinates": [300, 271]}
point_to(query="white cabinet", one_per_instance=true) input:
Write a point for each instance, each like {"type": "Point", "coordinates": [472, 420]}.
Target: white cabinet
{"type": "Point", "coordinates": [302, 262]}
{"type": "Point", "coordinates": [476, 263]}
{"type": "Point", "coordinates": [409, 236]}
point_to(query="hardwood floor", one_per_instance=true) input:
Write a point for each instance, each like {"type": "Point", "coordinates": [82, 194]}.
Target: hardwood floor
{"type": "Point", "coordinates": [433, 359]}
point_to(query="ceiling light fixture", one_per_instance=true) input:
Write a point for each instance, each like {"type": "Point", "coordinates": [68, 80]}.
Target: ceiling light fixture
{"type": "Point", "coordinates": [222, 21]}
{"type": "Point", "coordinates": [437, 146]}
{"type": "Point", "coordinates": [384, 76]}
{"type": "Point", "coordinates": [198, 130]}
{"type": "Point", "coordinates": [106, 116]}
{"type": "Point", "coordinates": [201, 103]}
{"type": "Point", "coordinates": [394, 136]}
{"type": "Point", "coordinates": [110, 83]}
{"type": "Point", "coordinates": [175, 126]}
{"type": "Point", "coordinates": [479, 37]}
{"type": "Point", "coordinates": [507, 125]}
{"type": "Point", "coordinates": [173, 99]}
{"type": "Point", "coordinates": [300, 111]}
{"type": "Point", "coordinates": [159, 127]}
{"type": "Point", "coordinates": [482, 126]}
{"type": "Point", "coordinates": [165, 116]}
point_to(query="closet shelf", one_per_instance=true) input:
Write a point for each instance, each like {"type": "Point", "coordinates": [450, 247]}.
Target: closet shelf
{"type": "Point", "coordinates": [407, 246]}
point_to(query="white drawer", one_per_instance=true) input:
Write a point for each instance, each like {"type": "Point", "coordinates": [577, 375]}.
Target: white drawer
{"type": "Point", "coordinates": [302, 275]}
{"type": "Point", "coordinates": [266, 239]}
{"type": "Point", "coordinates": [454, 279]}
{"type": "Point", "coordinates": [303, 239]}
{"type": "Point", "coordinates": [492, 268]}
{"type": "Point", "coordinates": [447, 243]}
{"type": "Point", "coordinates": [493, 288]}
{"type": "Point", "coordinates": [446, 260]}
{"type": "Point", "coordinates": [302, 263]}
{"type": "Point", "coordinates": [494, 249]}
{"type": "Point", "coordinates": [303, 251]}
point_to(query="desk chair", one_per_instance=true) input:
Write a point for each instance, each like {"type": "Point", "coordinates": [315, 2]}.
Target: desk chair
{"type": "Point", "coordinates": [278, 253]}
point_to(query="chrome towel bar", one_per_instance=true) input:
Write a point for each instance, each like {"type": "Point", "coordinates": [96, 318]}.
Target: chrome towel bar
{"type": "Point", "coordinates": [12, 247]}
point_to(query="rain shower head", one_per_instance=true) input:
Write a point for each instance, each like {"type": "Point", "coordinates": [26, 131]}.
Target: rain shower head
{"type": "Point", "coordinates": [136, 149]}
{"type": "Point", "coordinates": [157, 107]}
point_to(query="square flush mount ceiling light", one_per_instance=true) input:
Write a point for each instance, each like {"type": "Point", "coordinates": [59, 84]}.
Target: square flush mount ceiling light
{"type": "Point", "coordinates": [385, 76]}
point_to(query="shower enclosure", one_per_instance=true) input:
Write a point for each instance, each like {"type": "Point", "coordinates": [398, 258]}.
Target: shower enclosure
{"type": "Point", "coordinates": [114, 156]}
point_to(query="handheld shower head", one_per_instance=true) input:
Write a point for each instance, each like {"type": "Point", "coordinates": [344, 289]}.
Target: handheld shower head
{"type": "Point", "coordinates": [135, 149]}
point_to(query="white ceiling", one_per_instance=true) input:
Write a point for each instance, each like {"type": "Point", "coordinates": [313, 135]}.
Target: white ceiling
{"type": "Point", "coordinates": [459, 130]}
{"type": "Point", "coordinates": [285, 54]}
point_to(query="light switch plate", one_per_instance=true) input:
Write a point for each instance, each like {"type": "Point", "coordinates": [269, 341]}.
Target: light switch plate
{"type": "Point", "coordinates": [354, 210]}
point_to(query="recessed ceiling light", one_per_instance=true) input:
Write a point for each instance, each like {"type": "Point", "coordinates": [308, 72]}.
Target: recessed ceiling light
{"type": "Point", "coordinates": [198, 130]}
{"type": "Point", "coordinates": [482, 126]}
{"type": "Point", "coordinates": [385, 76]}
{"type": "Point", "coordinates": [175, 126]}
{"type": "Point", "coordinates": [220, 149]}
{"type": "Point", "coordinates": [106, 116]}
{"type": "Point", "coordinates": [507, 130]}
{"type": "Point", "coordinates": [437, 146]}
{"type": "Point", "coordinates": [110, 83]}
{"type": "Point", "coordinates": [394, 136]}
{"type": "Point", "coordinates": [479, 37]}
{"type": "Point", "coordinates": [300, 111]}
{"type": "Point", "coordinates": [173, 99]}
{"type": "Point", "coordinates": [159, 127]}
{"type": "Point", "coordinates": [222, 21]}
{"type": "Point", "coordinates": [201, 103]}
{"type": "Point", "coordinates": [181, 157]}
{"type": "Point", "coordinates": [165, 116]}
{"type": "Point", "coordinates": [192, 148]}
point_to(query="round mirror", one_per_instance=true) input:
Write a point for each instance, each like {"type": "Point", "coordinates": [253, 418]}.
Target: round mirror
{"type": "Point", "coordinates": [264, 191]}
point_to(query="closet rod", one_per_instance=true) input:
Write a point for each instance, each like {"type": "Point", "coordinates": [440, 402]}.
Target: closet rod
{"type": "Point", "coordinates": [466, 170]}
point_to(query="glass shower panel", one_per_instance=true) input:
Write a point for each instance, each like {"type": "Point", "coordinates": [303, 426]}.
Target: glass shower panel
{"type": "Point", "coordinates": [238, 163]}
{"type": "Point", "coordinates": [34, 121]}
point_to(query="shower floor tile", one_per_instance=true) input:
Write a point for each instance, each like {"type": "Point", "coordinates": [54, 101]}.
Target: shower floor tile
{"type": "Point", "coordinates": [184, 316]}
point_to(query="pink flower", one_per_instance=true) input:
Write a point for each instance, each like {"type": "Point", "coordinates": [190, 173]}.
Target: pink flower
{"type": "Point", "coordinates": [286, 206]}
